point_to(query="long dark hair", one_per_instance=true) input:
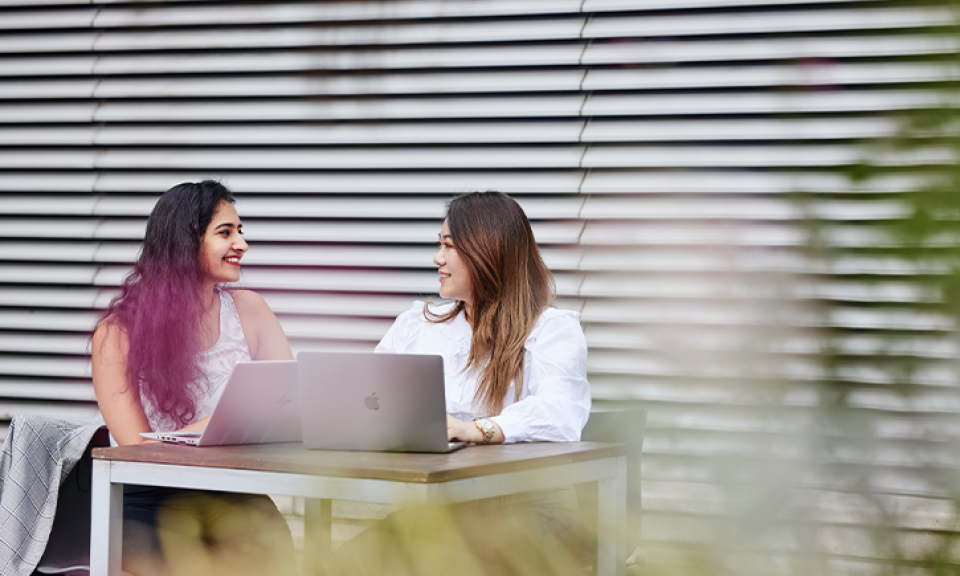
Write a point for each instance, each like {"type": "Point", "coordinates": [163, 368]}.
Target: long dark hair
{"type": "Point", "coordinates": [160, 301]}
{"type": "Point", "coordinates": [511, 287]}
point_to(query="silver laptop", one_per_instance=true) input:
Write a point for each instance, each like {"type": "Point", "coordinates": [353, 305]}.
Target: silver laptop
{"type": "Point", "coordinates": [367, 401]}
{"type": "Point", "coordinates": [258, 405]}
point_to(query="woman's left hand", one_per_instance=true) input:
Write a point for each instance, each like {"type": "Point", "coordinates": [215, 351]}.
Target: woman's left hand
{"type": "Point", "coordinates": [463, 431]}
{"type": "Point", "coordinates": [468, 431]}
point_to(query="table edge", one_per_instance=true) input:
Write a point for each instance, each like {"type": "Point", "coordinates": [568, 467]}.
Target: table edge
{"type": "Point", "coordinates": [601, 451]}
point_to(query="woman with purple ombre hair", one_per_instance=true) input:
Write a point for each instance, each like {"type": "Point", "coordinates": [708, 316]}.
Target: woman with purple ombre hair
{"type": "Point", "coordinates": [161, 354]}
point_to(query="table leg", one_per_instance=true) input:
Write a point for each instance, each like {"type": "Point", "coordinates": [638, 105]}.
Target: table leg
{"type": "Point", "coordinates": [612, 522]}
{"type": "Point", "coordinates": [318, 515]}
{"type": "Point", "coordinates": [106, 522]}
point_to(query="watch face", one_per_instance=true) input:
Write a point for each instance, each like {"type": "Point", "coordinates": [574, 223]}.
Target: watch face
{"type": "Point", "coordinates": [485, 428]}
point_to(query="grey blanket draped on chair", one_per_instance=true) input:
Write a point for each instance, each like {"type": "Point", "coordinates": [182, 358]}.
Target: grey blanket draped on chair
{"type": "Point", "coordinates": [38, 454]}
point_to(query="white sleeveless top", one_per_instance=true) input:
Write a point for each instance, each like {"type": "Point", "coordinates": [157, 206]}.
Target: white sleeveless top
{"type": "Point", "coordinates": [216, 365]}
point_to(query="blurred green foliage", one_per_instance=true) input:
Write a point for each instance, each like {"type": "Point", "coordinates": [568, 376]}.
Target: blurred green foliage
{"type": "Point", "coordinates": [922, 247]}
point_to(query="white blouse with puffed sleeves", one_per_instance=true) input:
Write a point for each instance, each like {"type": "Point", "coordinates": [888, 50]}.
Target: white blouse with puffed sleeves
{"type": "Point", "coordinates": [555, 400]}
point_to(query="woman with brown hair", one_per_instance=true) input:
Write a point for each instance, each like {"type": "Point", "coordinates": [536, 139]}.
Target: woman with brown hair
{"type": "Point", "coordinates": [515, 367]}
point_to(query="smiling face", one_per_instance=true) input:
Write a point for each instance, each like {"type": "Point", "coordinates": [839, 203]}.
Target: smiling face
{"type": "Point", "coordinates": [223, 246]}
{"type": "Point", "coordinates": [454, 277]}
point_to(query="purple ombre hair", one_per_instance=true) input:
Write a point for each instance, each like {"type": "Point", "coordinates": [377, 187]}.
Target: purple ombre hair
{"type": "Point", "coordinates": [160, 301]}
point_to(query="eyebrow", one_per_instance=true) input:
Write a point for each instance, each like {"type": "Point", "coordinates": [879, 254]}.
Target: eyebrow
{"type": "Point", "coordinates": [228, 225]}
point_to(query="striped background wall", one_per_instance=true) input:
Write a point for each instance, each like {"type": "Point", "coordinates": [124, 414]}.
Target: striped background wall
{"type": "Point", "coordinates": [655, 145]}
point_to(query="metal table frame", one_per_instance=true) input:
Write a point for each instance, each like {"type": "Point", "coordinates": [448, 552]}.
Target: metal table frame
{"type": "Point", "coordinates": [109, 476]}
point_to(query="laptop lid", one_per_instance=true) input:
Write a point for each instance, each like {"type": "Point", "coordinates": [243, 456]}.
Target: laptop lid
{"type": "Point", "coordinates": [258, 405]}
{"type": "Point", "coordinates": [368, 401]}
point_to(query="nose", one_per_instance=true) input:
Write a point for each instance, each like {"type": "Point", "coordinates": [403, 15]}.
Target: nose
{"type": "Point", "coordinates": [240, 245]}
{"type": "Point", "coordinates": [438, 258]}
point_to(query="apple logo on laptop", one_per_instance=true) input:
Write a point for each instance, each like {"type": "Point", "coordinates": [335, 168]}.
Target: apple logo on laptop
{"type": "Point", "coordinates": [372, 402]}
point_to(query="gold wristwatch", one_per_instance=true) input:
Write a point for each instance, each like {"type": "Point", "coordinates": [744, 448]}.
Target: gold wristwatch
{"type": "Point", "coordinates": [487, 427]}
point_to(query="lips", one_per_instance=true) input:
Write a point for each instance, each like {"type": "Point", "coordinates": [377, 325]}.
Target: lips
{"type": "Point", "coordinates": [232, 260]}
{"type": "Point", "coordinates": [444, 276]}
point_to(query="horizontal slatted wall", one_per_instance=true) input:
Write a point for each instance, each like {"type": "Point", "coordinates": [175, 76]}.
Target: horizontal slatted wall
{"type": "Point", "coordinates": [654, 144]}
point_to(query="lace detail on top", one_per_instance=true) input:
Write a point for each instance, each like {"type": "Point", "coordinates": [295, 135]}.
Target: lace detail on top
{"type": "Point", "coordinates": [216, 366]}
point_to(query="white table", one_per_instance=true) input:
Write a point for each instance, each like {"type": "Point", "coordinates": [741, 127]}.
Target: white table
{"type": "Point", "coordinates": [390, 478]}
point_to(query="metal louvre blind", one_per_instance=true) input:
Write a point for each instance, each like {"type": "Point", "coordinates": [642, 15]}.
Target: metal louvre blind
{"type": "Point", "coordinates": [654, 145]}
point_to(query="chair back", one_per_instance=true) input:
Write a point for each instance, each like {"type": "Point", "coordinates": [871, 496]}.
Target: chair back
{"type": "Point", "coordinates": [623, 425]}
{"type": "Point", "coordinates": [69, 542]}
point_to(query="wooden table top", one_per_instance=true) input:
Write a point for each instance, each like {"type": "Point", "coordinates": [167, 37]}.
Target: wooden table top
{"type": "Point", "coordinates": [292, 457]}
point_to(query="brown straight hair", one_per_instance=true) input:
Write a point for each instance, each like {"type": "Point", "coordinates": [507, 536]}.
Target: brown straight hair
{"type": "Point", "coordinates": [511, 287]}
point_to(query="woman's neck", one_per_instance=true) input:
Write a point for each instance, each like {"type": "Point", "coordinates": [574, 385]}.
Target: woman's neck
{"type": "Point", "coordinates": [209, 297]}
{"type": "Point", "coordinates": [209, 317]}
